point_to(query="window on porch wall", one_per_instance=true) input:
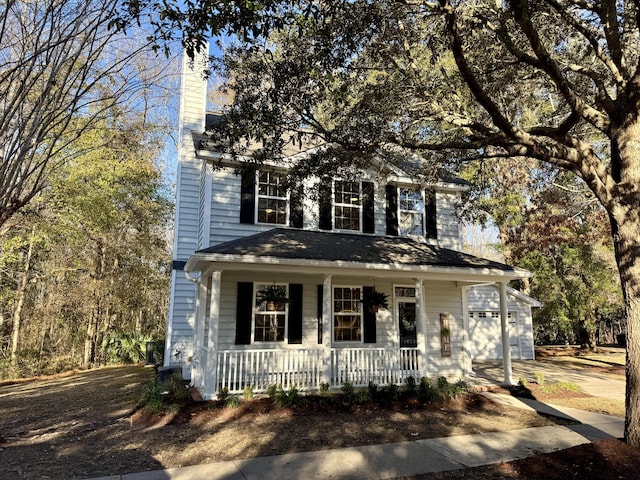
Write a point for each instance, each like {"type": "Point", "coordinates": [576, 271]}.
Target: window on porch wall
{"type": "Point", "coordinates": [347, 314]}
{"type": "Point", "coordinates": [270, 318]}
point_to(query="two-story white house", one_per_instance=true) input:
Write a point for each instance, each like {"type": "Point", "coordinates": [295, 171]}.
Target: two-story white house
{"type": "Point", "coordinates": [238, 235]}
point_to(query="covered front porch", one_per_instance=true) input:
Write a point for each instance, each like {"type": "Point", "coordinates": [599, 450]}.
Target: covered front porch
{"type": "Point", "coordinates": [324, 337]}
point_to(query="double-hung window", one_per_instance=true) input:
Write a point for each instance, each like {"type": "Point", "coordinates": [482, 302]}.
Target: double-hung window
{"type": "Point", "coordinates": [270, 317]}
{"type": "Point", "coordinates": [271, 205]}
{"type": "Point", "coordinates": [411, 208]}
{"type": "Point", "coordinates": [347, 205]}
{"type": "Point", "coordinates": [347, 314]}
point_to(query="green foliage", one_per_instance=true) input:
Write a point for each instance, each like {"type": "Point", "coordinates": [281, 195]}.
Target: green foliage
{"type": "Point", "coordinates": [451, 390]}
{"type": "Point", "coordinates": [347, 389]}
{"type": "Point", "coordinates": [272, 390]}
{"type": "Point", "coordinates": [523, 382]}
{"type": "Point", "coordinates": [161, 396]}
{"type": "Point", "coordinates": [411, 387]}
{"type": "Point", "coordinates": [427, 392]}
{"type": "Point", "coordinates": [375, 299]}
{"type": "Point", "coordinates": [286, 398]}
{"type": "Point", "coordinates": [232, 402]}
{"type": "Point", "coordinates": [223, 393]}
{"type": "Point", "coordinates": [126, 347]}
{"type": "Point", "coordinates": [539, 378]}
{"type": "Point", "coordinates": [324, 388]}
{"type": "Point", "coordinates": [273, 293]}
{"type": "Point", "coordinates": [99, 255]}
{"type": "Point", "coordinates": [247, 392]}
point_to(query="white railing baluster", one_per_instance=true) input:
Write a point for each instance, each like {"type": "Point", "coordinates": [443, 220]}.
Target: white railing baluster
{"type": "Point", "coordinates": [304, 368]}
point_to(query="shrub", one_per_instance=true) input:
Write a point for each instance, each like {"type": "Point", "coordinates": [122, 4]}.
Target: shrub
{"type": "Point", "coordinates": [272, 390]}
{"type": "Point", "coordinates": [391, 392]}
{"type": "Point", "coordinates": [223, 393]}
{"type": "Point", "coordinates": [427, 392]}
{"type": "Point", "coordinates": [373, 391]}
{"type": "Point", "coordinates": [451, 390]}
{"type": "Point", "coordinates": [232, 402]}
{"type": "Point", "coordinates": [410, 387]}
{"type": "Point", "coordinates": [324, 388]}
{"type": "Point", "coordinates": [160, 396]}
{"type": "Point", "coordinates": [539, 378]}
{"type": "Point", "coordinates": [247, 392]}
{"type": "Point", "coordinates": [286, 398]}
{"type": "Point", "coordinates": [523, 382]}
{"type": "Point", "coordinates": [125, 347]}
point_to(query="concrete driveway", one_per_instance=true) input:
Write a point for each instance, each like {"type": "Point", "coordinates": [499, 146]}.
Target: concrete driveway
{"type": "Point", "coordinates": [599, 385]}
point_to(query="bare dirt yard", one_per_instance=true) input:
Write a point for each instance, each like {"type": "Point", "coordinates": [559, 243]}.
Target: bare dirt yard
{"type": "Point", "coordinates": [88, 424]}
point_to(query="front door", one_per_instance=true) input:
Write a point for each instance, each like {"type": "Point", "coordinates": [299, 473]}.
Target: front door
{"type": "Point", "coordinates": [406, 309]}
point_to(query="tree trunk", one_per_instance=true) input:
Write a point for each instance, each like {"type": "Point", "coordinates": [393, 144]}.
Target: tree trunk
{"type": "Point", "coordinates": [96, 310]}
{"type": "Point", "coordinates": [20, 295]}
{"type": "Point", "coordinates": [627, 242]}
{"type": "Point", "coordinates": [624, 213]}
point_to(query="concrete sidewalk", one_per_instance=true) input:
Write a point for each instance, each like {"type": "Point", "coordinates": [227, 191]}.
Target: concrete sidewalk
{"type": "Point", "coordinates": [409, 458]}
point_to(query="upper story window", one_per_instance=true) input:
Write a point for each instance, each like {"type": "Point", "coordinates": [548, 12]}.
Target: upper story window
{"type": "Point", "coordinates": [347, 205]}
{"type": "Point", "coordinates": [264, 199]}
{"type": "Point", "coordinates": [411, 209]}
{"type": "Point", "coordinates": [271, 205]}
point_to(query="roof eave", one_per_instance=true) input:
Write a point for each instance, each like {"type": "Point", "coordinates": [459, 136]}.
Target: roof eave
{"type": "Point", "coordinates": [206, 262]}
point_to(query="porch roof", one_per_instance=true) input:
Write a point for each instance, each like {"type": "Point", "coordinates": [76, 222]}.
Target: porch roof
{"type": "Point", "coordinates": [337, 252]}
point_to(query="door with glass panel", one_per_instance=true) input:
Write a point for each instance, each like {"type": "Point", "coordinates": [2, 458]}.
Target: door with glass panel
{"type": "Point", "coordinates": [405, 299]}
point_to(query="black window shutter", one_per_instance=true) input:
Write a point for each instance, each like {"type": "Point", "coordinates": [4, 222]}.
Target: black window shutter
{"type": "Point", "coordinates": [369, 320]}
{"type": "Point", "coordinates": [320, 304]}
{"type": "Point", "coordinates": [392, 209]}
{"type": "Point", "coordinates": [324, 194]}
{"type": "Point", "coordinates": [248, 197]}
{"type": "Point", "coordinates": [244, 313]}
{"type": "Point", "coordinates": [295, 206]}
{"type": "Point", "coordinates": [368, 217]}
{"type": "Point", "coordinates": [295, 313]}
{"type": "Point", "coordinates": [430, 214]}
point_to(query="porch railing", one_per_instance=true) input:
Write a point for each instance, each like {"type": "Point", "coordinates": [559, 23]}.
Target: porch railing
{"type": "Point", "coordinates": [305, 368]}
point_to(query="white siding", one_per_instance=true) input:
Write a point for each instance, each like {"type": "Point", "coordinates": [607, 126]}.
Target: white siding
{"type": "Point", "coordinates": [386, 334]}
{"type": "Point", "coordinates": [225, 211]}
{"type": "Point", "coordinates": [447, 223]}
{"type": "Point", "coordinates": [444, 297]}
{"type": "Point", "coordinates": [186, 223]}
{"type": "Point", "coordinates": [486, 335]}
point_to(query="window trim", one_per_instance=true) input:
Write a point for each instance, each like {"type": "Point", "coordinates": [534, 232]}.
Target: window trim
{"type": "Point", "coordinates": [258, 196]}
{"type": "Point", "coordinates": [423, 213]}
{"type": "Point", "coordinates": [429, 213]}
{"type": "Point", "coordinates": [334, 204]}
{"type": "Point", "coordinates": [254, 311]}
{"type": "Point", "coordinates": [334, 313]}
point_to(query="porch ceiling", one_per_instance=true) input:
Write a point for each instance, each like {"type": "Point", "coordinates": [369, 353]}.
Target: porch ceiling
{"type": "Point", "coordinates": [325, 252]}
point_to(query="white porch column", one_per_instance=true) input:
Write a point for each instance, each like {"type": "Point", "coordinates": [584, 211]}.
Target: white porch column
{"type": "Point", "coordinates": [421, 328]}
{"type": "Point", "coordinates": [199, 355]}
{"type": "Point", "coordinates": [466, 341]}
{"type": "Point", "coordinates": [506, 343]}
{"type": "Point", "coordinates": [211, 366]}
{"type": "Point", "coordinates": [326, 329]}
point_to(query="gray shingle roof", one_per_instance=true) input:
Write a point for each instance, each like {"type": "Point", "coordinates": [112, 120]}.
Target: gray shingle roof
{"type": "Point", "coordinates": [307, 245]}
